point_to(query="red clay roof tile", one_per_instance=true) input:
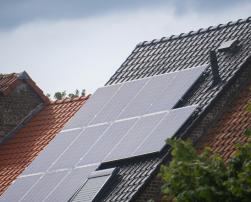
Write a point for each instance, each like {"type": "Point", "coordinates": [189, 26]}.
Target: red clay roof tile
{"type": "Point", "coordinates": [230, 128]}
{"type": "Point", "coordinates": [17, 153]}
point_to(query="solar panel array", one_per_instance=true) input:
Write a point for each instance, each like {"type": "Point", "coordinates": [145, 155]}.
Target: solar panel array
{"type": "Point", "coordinates": [59, 185]}
{"type": "Point", "coordinates": [117, 122]}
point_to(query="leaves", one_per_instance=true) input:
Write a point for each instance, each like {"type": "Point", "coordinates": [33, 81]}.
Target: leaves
{"type": "Point", "coordinates": [63, 94]}
{"type": "Point", "coordinates": [249, 107]}
{"type": "Point", "coordinates": [205, 177]}
{"type": "Point", "coordinates": [247, 132]}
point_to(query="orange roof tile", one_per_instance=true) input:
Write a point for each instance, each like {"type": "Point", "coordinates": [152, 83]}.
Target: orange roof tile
{"type": "Point", "coordinates": [17, 153]}
{"type": "Point", "coordinates": [230, 128]}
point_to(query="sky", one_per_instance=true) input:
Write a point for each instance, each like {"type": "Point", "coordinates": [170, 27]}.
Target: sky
{"type": "Point", "coordinates": [79, 44]}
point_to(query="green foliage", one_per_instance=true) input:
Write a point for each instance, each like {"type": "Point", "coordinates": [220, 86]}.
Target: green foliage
{"type": "Point", "coordinates": [249, 107]}
{"type": "Point", "coordinates": [205, 177]}
{"type": "Point", "coordinates": [63, 94]}
{"type": "Point", "coordinates": [247, 132]}
{"type": "Point", "coordinates": [60, 95]}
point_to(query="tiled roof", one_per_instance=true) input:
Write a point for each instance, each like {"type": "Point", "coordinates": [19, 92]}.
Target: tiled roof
{"type": "Point", "coordinates": [132, 176]}
{"type": "Point", "coordinates": [9, 82]}
{"type": "Point", "coordinates": [229, 130]}
{"type": "Point", "coordinates": [17, 153]}
{"type": "Point", "coordinates": [148, 58]}
{"type": "Point", "coordinates": [182, 52]}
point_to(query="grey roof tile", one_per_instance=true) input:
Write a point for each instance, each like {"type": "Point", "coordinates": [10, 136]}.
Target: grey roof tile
{"type": "Point", "coordinates": [171, 54]}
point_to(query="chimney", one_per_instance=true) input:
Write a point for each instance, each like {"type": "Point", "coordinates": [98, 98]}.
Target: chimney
{"type": "Point", "coordinates": [215, 67]}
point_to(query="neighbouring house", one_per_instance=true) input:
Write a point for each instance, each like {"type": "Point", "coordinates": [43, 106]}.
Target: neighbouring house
{"type": "Point", "coordinates": [194, 85]}
{"type": "Point", "coordinates": [19, 95]}
{"type": "Point", "coordinates": [37, 121]}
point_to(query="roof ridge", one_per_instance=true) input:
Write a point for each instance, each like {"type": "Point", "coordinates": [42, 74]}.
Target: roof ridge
{"type": "Point", "coordinates": [67, 100]}
{"type": "Point", "coordinates": [7, 75]}
{"type": "Point", "coordinates": [191, 33]}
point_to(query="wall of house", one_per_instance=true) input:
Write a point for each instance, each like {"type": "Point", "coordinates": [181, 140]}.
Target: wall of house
{"type": "Point", "coordinates": [15, 106]}
{"type": "Point", "coordinates": [151, 192]}
{"type": "Point", "coordinates": [221, 106]}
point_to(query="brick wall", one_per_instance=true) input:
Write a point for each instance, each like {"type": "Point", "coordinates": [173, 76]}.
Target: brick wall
{"type": "Point", "coordinates": [152, 191]}
{"type": "Point", "coordinates": [219, 108]}
{"type": "Point", "coordinates": [15, 106]}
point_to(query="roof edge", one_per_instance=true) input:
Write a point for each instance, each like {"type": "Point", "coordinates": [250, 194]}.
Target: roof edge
{"type": "Point", "coordinates": [22, 123]}
{"type": "Point", "coordinates": [18, 78]}
{"type": "Point", "coordinates": [25, 77]}
{"type": "Point", "coordinates": [191, 33]}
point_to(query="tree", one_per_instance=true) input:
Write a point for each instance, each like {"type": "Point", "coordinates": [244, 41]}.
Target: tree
{"type": "Point", "coordinates": [61, 95]}
{"type": "Point", "coordinates": [205, 177]}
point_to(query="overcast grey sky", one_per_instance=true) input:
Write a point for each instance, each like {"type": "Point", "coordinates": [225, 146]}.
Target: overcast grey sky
{"type": "Point", "coordinates": [69, 44]}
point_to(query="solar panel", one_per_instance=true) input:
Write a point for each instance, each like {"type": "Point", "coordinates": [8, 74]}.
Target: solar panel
{"type": "Point", "coordinates": [44, 186]}
{"type": "Point", "coordinates": [80, 146]}
{"type": "Point", "coordinates": [92, 106]}
{"type": "Point", "coordinates": [162, 92]}
{"type": "Point", "coordinates": [18, 189]}
{"type": "Point", "coordinates": [93, 186]}
{"type": "Point", "coordinates": [176, 90]}
{"type": "Point", "coordinates": [171, 123]}
{"type": "Point", "coordinates": [110, 138]}
{"type": "Point", "coordinates": [118, 121]}
{"type": "Point", "coordinates": [111, 111]}
{"type": "Point", "coordinates": [135, 136]}
{"type": "Point", "coordinates": [70, 184]}
{"type": "Point", "coordinates": [146, 97]}
{"type": "Point", "coordinates": [51, 152]}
